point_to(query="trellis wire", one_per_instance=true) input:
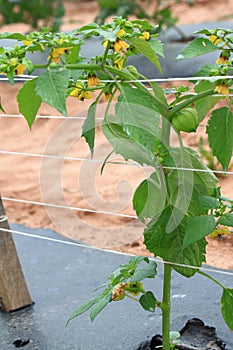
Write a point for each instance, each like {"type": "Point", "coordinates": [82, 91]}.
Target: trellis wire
{"type": "Point", "coordinates": [109, 162]}
{"type": "Point", "coordinates": [25, 77]}
{"type": "Point", "coordinates": [81, 245]}
{"type": "Point", "coordinates": [58, 206]}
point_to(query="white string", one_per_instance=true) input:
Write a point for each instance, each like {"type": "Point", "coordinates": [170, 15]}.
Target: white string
{"type": "Point", "coordinates": [194, 78]}
{"type": "Point", "coordinates": [110, 162]}
{"type": "Point", "coordinates": [46, 117]}
{"type": "Point", "coordinates": [70, 208]}
{"type": "Point", "coordinates": [81, 245]}
{"type": "Point", "coordinates": [3, 218]}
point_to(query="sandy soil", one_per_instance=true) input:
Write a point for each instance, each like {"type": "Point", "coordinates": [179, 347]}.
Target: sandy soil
{"type": "Point", "coordinates": [78, 183]}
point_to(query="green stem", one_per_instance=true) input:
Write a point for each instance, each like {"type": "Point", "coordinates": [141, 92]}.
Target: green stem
{"type": "Point", "coordinates": [122, 74]}
{"type": "Point", "coordinates": [187, 102]}
{"type": "Point", "coordinates": [166, 306]}
{"type": "Point", "coordinates": [212, 279]}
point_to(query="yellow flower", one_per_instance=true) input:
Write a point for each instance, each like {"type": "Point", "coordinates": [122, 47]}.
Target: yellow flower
{"type": "Point", "coordinates": [121, 32]}
{"type": "Point", "coordinates": [120, 46]}
{"type": "Point", "coordinates": [145, 36]}
{"type": "Point", "coordinates": [57, 53]}
{"type": "Point", "coordinates": [105, 43]}
{"type": "Point", "coordinates": [119, 62]}
{"type": "Point", "coordinates": [107, 96]}
{"type": "Point", "coordinates": [92, 80]}
{"type": "Point", "coordinates": [20, 69]}
{"type": "Point", "coordinates": [219, 231]}
{"type": "Point", "coordinates": [223, 58]}
{"type": "Point", "coordinates": [214, 39]}
{"type": "Point", "coordinates": [80, 94]}
{"type": "Point", "coordinates": [27, 42]}
{"type": "Point", "coordinates": [222, 89]}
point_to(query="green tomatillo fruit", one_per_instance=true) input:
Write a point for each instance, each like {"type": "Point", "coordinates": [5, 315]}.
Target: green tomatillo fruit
{"type": "Point", "coordinates": [186, 120]}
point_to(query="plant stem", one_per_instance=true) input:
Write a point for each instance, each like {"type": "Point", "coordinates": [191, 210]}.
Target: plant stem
{"type": "Point", "coordinates": [212, 279]}
{"type": "Point", "coordinates": [166, 306]}
{"type": "Point", "coordinates": [187, 102]}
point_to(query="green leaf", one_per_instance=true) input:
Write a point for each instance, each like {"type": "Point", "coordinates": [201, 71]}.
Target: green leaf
{"type": "Point", "coordinates": [147, 271]}
{"type": "Point", "coordinates": [131, 99]}
{"type": "Point", "coordinates": [150, 196]}
{"type": "Point", "coordinates": [226, 219]}
{"type": "Point", "coordinates": [16, 36]}
{"type": "Point", "coordinates": [88, 128]}
{"type": "Point", "coordinates": [1, 106]}
{"type": "Point", "coordinates": [195, 183]}
{"type": "Point", "coordinates": [149, 49]}
{"type": "Point", "coordinates": [100, 305]}
{"type": "Point", "coordinates": [28, 100]}
{"type": "Point", "coordinates": [197, 228]}
{"type": "Point", "coordinates": [124, 145]}
{"type": "Point", "coordinates": [208, 202]}
{"type": "Point", "coordinates": [159, 93]}
{"type": "Point", "coordinates": [148, 301]}
{"type": "Point", "coordinates": [197, 47]}
{"type": "Point", "coordinates": [108, 33]}
{"type": "Point", "coordinates": [205, 104]}
{"type": "Point", "coordinates": [220, 134]}
{"type": "Point", "coordinates": [83, 308]}
{"type": "Point", "coordinates": [144, 24]}
{"type": "Point", "coordinates": [179, 184]}
{"type": "Point", "coordinates": [227, 307]}
{"type": "Point", "coordinates": [51, 87]}
{"type": "Point", "coordinates": [169, 246]}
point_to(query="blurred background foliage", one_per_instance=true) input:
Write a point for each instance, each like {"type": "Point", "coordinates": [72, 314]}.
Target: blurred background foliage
{"type": "Point", "coordinates": [49, 13]}
{"type": "Point", "coordinates": [37, 13]}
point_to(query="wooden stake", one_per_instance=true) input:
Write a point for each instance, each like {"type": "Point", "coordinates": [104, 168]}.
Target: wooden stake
{"type": "Point", "coordinates": [13, 288]}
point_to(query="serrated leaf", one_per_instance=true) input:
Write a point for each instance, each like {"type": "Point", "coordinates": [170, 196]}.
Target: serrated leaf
{"type": "Point", "coordinates": [51, 87]}
{"type": "Point", "coordinates": [28, 100]}
{"type": "Point", "coordinates": [226, 219]}
{"type": "Point", "coordinates": [197, 228]}
{"type": "Point", "coordinates": [88, 128]}
{"type": "Point", "coordinates": [150, 196]}
{"type": "Point", "coordinates": [148, 301]}
{"type": "Point", "coordinates": [149, 49]}
{"type": "Point", "coordinates": [201, 182]}
{"type": "Point", "coordinates": [227, 307]}
{"type": "Point", "coordinates": [197, 47]}
{"type": "Point", "coordinates": [100, 305]}
{"type": "Point", "coordinates": [132, 99]}
{"type": "Point", "coordinates": [169, 246]}
{"type": "Point", "coordinates": [147, 271]}
{"type": "Point", "coordinates": [220, 135]}
{"type": "Point", "coordinates": [124, 145]}
{"type": "Point", "coordinates": [208, 202]}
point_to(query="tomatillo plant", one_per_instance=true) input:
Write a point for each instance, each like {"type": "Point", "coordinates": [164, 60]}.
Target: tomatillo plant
{"type": "Point", "coordinates": [179, 202]}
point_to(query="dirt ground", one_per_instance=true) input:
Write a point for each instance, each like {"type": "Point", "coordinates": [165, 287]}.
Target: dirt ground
{"type": "Point", "coordinates": [78, 183]}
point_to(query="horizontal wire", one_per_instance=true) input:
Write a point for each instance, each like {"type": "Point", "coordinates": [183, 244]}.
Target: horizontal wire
{"type": "Point", "coordinates": [3, 218]}
{"type": "Point", "coordinates": [81, 245]}
{"type": "Point", "coordinates": [109, 162]}
{"type": "Point", "coordinates": [101, 212]}
{"type": "Point", "coordinates": [194, 78]}
{"type": "Point", "coordinates": [46, 117]}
